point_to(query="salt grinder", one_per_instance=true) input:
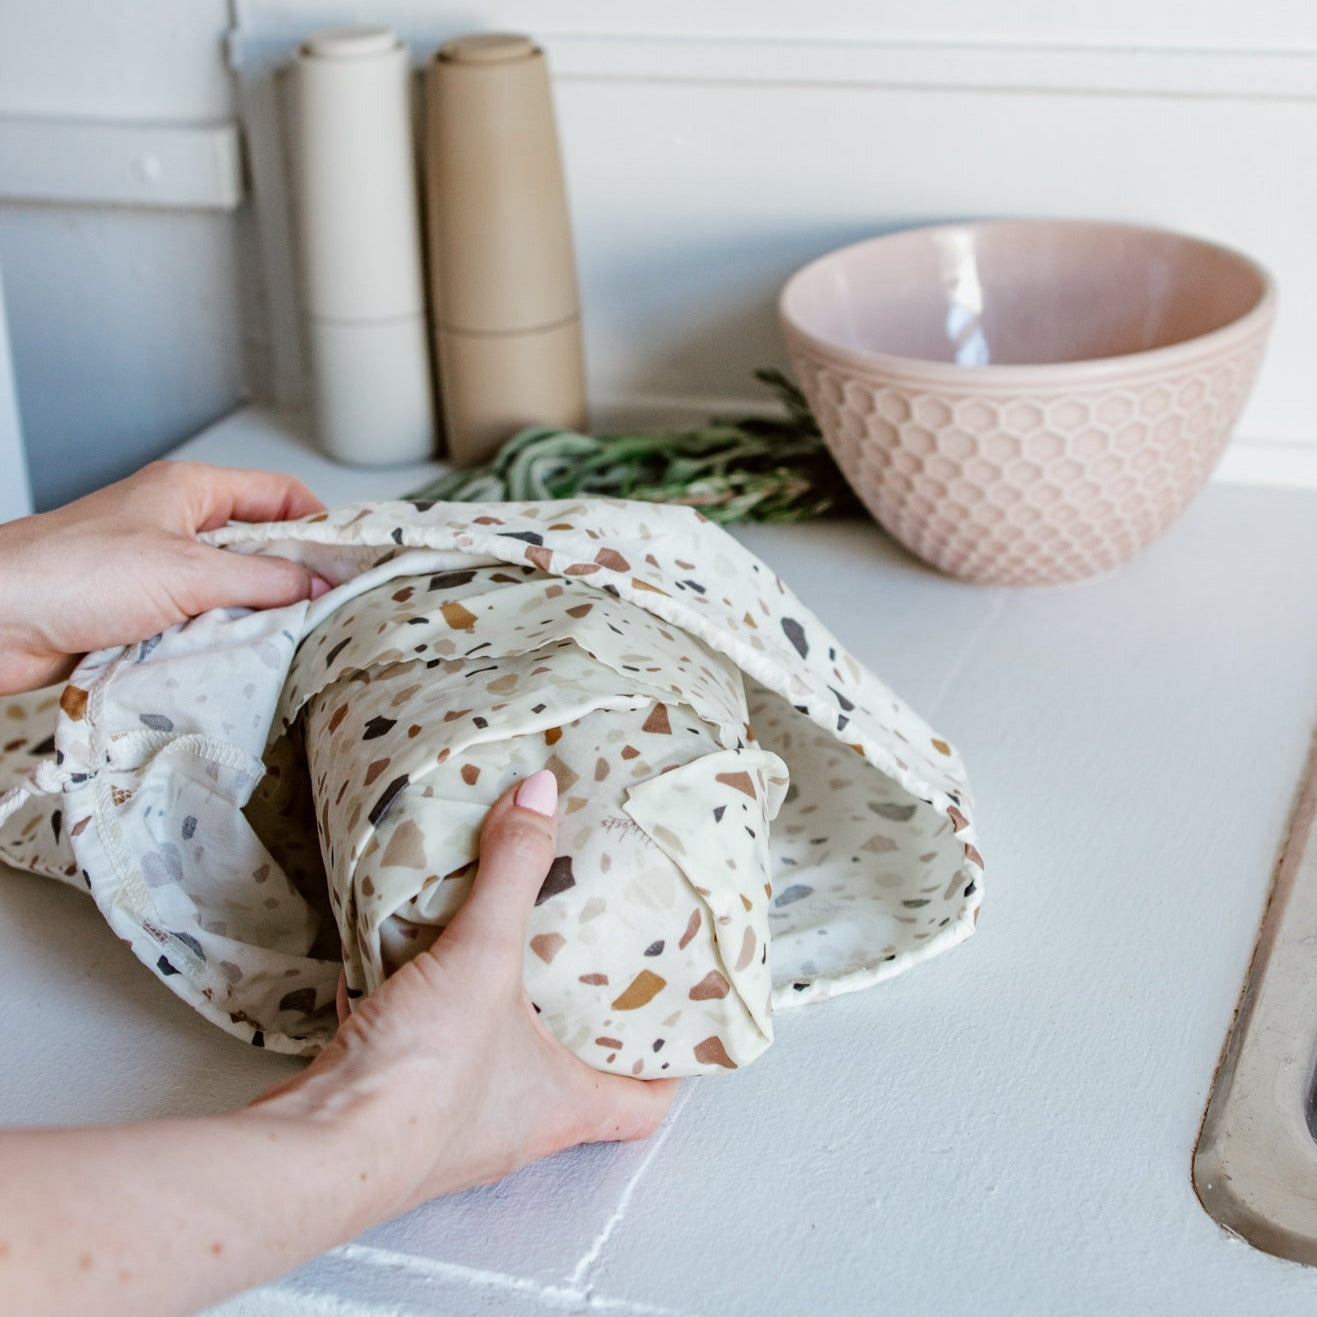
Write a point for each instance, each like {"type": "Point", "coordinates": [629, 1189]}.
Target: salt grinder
{"type": "Point", "coordinates": [360, 246]}
{"type": "Point", "coordinates": [504, 296]}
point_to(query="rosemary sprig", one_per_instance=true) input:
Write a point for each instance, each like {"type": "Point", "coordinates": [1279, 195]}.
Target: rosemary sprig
{"type": "Point", "coordinates": [757, 468]}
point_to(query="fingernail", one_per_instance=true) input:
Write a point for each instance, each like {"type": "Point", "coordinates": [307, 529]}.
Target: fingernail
{"type": "Point", "coordinates": [319, 586]}
{"type": "Point", "coordinates": [539, 792]}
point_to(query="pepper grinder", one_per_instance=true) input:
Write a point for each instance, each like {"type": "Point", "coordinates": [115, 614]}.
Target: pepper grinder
{"type": "Point", "coordinates": [507, 318]}
{"type": "Point", "coordinates": [359, 227]}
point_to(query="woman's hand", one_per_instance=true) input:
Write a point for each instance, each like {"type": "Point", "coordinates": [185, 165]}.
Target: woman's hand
{"type": "Point", "coordinates": [124, 563]}
{"type": "Point", "coordinates": [455, 1080]}
{"type": "Point", "coordinates": [443, 1078]}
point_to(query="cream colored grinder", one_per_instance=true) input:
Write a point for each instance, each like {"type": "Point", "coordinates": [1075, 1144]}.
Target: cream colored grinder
{"type": "Point", "coordinates": [360, 247]}
{"type": "Point", "coordinates": [506, 308]}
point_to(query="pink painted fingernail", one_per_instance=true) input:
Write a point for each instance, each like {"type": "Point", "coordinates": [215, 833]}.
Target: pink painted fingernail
{"type": "Point", "coordinates": [539, 792]}
{"type": "Point", "coordinates": [319, 586]}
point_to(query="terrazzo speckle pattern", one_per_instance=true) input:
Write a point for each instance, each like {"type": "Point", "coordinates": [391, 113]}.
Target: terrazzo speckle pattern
{"type": "Point", "coordinates": [648, 947]}
{"type": "Point", "coordinates": [190, 817]}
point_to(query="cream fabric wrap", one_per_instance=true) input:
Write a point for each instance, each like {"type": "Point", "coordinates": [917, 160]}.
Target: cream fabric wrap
{"type": "Point", "coordinates": [668, 678]}
{"type": "Point", "coordinates": [649, 942]}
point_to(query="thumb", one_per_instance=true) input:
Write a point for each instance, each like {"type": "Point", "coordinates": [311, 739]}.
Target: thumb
{"type": "Point", "coordinates": [248, 580]}
{"type": "Point", "coordinates": [516, 851]}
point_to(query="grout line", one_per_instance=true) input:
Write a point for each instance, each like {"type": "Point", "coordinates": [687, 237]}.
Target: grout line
{"type": "Point", "coordinates": [580, 1277]}
{"type": "Point", "coordinates": [563, 1298]}
{"type": "Point", "coordinates": [577, 1295]}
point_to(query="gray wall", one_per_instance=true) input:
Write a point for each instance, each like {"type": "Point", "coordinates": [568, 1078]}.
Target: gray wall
{"type": "Point", "coordinates": [124, 318]}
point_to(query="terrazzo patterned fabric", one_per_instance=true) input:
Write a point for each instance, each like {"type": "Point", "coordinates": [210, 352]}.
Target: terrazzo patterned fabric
{"type": "Point", "coordinates": [649, 942]}
{"type": "Point", "coordinates": [749, 819]}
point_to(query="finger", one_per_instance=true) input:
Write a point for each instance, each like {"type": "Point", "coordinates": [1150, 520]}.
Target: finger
{"type": "Point", "coordinates": [617, 1109]}
{"type": "Point", "coordinates": [341, 1002]}
{"type": "Point", "coordinates": [221, 579]}
{"type": "Point", "coordinates": [215, 495]}
{"type": "Point", "coordinates": [516, 850]}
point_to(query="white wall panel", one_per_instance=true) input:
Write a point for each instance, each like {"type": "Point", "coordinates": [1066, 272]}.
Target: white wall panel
{"type": "Point", "coordinates": [694, 203]}
{"type": "Point", "coordinates": [1181, 24]}
{"type": "Point", "coordinates": [704, 170]}
{"type": "Point", "coordinates": [124, 321]}
{"type": "Point", "coordinates": [119, 59]}
{"type": "Point", "coordinates": [126, 336]}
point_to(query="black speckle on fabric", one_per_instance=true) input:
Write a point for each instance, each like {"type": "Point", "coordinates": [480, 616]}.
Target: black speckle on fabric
{"type": "Point", "coordinates": [381, 806]}
{"type": "Point", "coordinates": [450, 580]}
{"type": "Point", "coordinates": [190, 942]}
{"type": "Point", "coordinates": [796, 892]}
{"type": "Point", "coordinates": [795, 633]}
{"type": "Point", "coordinates": [890, 810]}
{"type": "Point", "coordinates": [558, 880]}
{"type": "Point", "coordinates": [302, 1000]}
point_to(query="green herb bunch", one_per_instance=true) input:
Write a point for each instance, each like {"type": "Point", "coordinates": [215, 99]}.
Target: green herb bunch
{"type": "Point", "coordinates": [758, 468]}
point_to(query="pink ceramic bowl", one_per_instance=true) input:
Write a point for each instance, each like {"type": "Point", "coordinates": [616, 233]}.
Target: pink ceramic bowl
{"type": "Point", "coordinates": [1026, 402]}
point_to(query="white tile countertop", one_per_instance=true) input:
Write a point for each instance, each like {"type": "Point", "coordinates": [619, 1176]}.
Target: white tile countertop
{"type": "Point", "coordinates": [1006, 1129]}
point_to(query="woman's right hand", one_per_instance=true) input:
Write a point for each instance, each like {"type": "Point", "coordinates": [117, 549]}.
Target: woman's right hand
{"type": "Point", "coordinates": [447, 1068]}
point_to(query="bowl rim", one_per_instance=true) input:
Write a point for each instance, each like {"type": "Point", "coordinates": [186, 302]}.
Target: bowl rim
{"type": "Point", "coordinates": [1147, 361]}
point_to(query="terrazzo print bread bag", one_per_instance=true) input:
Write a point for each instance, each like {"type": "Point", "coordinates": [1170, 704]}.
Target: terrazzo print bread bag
{"type": "Point", "coordinates": [748, 819]}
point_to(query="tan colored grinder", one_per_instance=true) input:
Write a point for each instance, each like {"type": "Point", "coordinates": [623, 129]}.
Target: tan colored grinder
{"type": "Point", "coordinates": [507, 318]}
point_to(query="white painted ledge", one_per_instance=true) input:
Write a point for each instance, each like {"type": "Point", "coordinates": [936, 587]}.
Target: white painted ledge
{"type": "Point", "coordinates": [96, 162]}
{"type": "Point", "coordinates": [932, 66]}
{"type": "Point", "coordinates": [1269, 464]}
{"type": "Point", "coordinates": [1256, 73]}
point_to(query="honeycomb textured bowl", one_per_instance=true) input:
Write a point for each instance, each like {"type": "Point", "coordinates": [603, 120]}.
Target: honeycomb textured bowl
{"type": "Point", "coordinates": [1027, 402]}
